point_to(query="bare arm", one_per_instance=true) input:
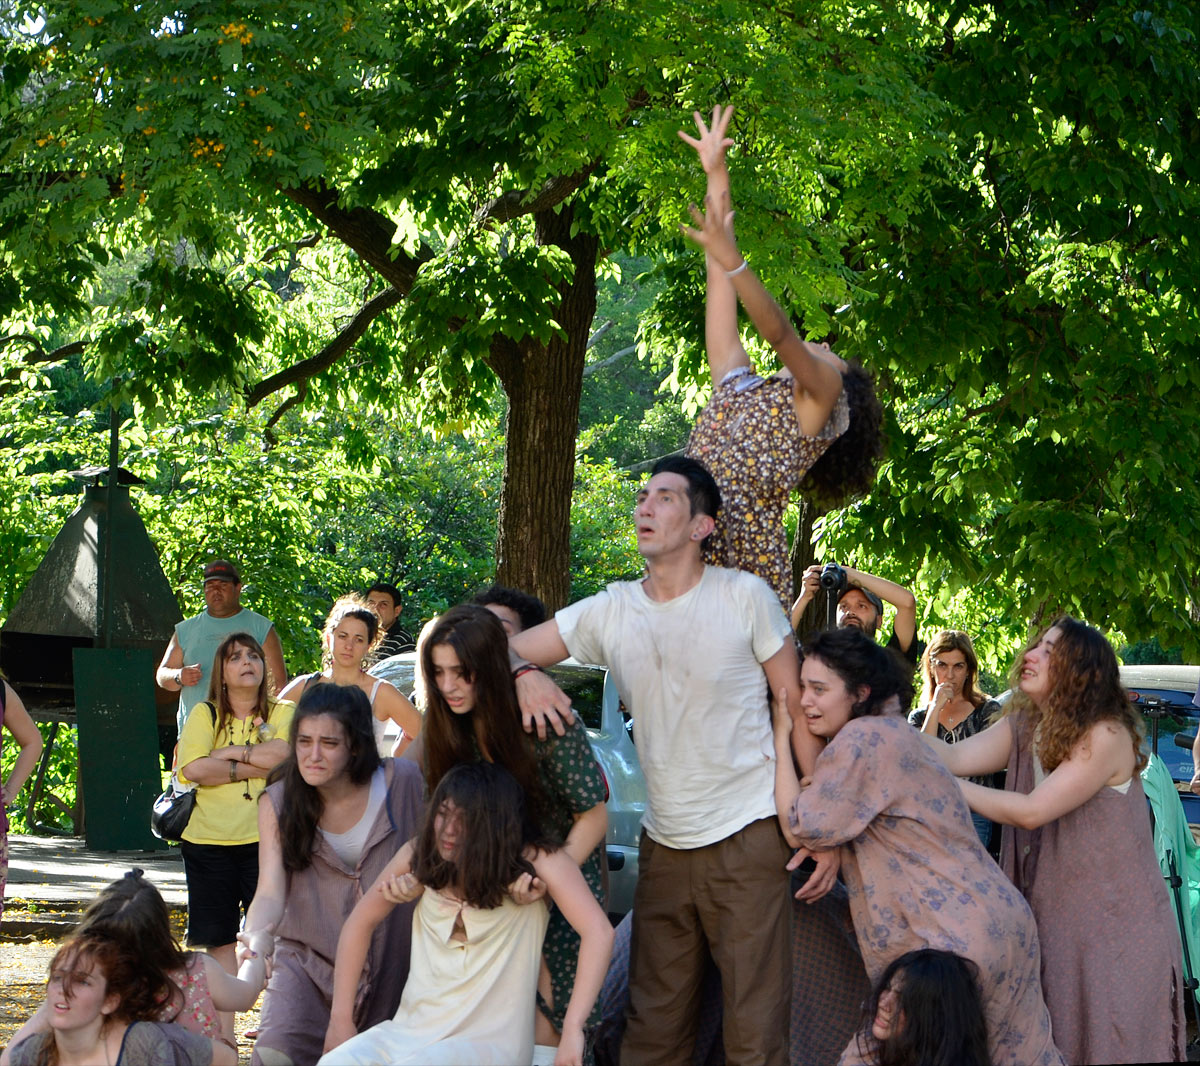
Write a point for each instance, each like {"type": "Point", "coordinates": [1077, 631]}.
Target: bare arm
{"type": "Point", "coordinates": [172, 673]}
{"type": "Point", "coordinates": [270, 894]}
{"type": "Point", "coordinates": [295, 688]}
{"type": "Point", "coordinates": [273, 653]}
{"type": "Point", "coordinates": [722, 341]}
{"type": "Point", "coordinates": [573, 897]}
{"type": "Point", "coordinates": [984, 753]}
{"type": "Point", "coordinates": [391, 703]}
{"type": "Point", "coordinates": [353, 944]}
{"type": "Point", "coordinates": [783, 674]}
{"type": "Point", "coordinates": [25, 732]}
{"type": "Point", "coordinates": [905, 624]}
{"type": "Point", "coordinates": [241, 992]}
{"type": "Point", "coordinates": [809, 585]}
{"type": "Point", "coordinates": [255, 760]}
{"type": "Point", "coordinates": [818, 382]}
{"type": "Point", "coordinates": [1103, 757]}
{"type": "Point", "coordinates": [541, 700]}
{"type": "Point", "coordinates": [586, 834]}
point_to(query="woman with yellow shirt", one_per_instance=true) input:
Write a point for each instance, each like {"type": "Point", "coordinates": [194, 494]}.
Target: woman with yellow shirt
{"type": "Point", "coordinates": [228, 746]}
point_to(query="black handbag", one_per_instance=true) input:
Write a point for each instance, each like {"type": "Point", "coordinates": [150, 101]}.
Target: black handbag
{"type": "Point", "coordinates": [171, 811]}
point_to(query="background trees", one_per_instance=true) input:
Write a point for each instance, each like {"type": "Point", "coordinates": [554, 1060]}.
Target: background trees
{"type": "Point", "coordinates": [340, 231]}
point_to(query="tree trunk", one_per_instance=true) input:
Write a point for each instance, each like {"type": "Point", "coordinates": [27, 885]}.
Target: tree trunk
{"type": "Point", "coordinates": [803, 556]}
{"type": "Point", "coordinates": [543, 384]}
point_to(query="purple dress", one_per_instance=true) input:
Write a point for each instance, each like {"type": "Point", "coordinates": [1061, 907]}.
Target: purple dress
{"type": "Point", "coordinates": [918, 877]}
{"type": "Point", "coordinates": [1112, 966]}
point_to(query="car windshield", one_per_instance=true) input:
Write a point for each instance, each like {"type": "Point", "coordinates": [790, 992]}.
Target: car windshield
{"type": "Point", "coordinates": [585, 687]}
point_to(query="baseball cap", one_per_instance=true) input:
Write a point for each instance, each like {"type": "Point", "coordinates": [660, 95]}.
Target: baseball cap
{"type": "Point", "coordinates": [222, 570]}
{"type": "Point", "coordinates": [876, 602]}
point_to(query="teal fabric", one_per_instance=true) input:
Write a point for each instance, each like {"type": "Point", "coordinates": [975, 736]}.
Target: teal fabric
{"type": "Point", "coordinates": [1172, 837]}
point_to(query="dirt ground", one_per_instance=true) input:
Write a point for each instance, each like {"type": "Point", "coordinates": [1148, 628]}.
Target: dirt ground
{"type": "Point", "coordinates": [23, 966]}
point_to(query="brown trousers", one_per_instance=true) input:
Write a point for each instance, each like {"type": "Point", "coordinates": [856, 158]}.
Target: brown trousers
{"type": "Point", "coordinates": [728, 900]}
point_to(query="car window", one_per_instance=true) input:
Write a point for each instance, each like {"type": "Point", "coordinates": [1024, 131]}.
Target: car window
{"type": "Point", "coordinates": [585, 687]}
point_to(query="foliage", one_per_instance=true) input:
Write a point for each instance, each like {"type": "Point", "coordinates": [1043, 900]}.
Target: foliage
{"type": "Point", "coordinates": [58, 796]}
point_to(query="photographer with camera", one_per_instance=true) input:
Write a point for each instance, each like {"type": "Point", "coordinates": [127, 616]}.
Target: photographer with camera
{"type": "Point", "coordinates": [860, 598]}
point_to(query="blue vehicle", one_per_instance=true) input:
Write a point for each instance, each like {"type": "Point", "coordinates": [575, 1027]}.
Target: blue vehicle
{"type": "Point", "coordinates": [1164, 696]}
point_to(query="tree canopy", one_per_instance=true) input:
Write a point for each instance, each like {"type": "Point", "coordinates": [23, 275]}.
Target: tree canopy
{"type": "Point", "coordinates": [345, 208]}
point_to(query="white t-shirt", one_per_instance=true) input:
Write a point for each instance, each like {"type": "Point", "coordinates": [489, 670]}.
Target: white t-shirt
{"type": "Point", "coordinates": [689, 672]}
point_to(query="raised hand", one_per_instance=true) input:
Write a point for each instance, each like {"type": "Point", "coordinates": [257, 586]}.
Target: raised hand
{"type": "Point", "coordinates": [714, 232]}
{"type": "Point", "coordinates": [712, 143]}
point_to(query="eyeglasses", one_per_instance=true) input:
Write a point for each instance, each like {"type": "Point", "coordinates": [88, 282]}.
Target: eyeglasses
{"type": "Point", "coordinates": [957, 668]}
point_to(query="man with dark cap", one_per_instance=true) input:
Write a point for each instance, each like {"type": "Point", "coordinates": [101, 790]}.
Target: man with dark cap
{"type": "Point", "coordinates": [188, 660]}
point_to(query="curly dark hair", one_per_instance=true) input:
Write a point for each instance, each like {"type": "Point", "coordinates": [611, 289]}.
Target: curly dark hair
{"type": "Point", "coordinates": [847, 469]}
{"type": "Point", "coordinates": [355, 607]}
{"type": "Point", "coordinates": [1085, 688]}
{"type": "Point", "coordinates": [496, 830]}
{"type": "Point", "coordinates": [859, 661]}
{"type": "Point", "coordinates": [938, 1017]}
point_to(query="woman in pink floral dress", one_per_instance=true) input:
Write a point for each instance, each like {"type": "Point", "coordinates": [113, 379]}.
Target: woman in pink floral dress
{"type": "Point", "coordinates": [915, 871]}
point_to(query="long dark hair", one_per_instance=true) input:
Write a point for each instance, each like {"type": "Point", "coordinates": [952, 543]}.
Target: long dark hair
{"type": "Point", "coordinates": [217, 695]}
{"type": "Point", "coordinates": [479, 641]}
{"type": "Point", "coordinates": [302, 806]}
{"type": "Point", "coordinates": [121, 965]}
{"type": "Point", "coordinates": [847, 469]}
{"type": "Point", "coordinates": [496, 830]}
{"type": "Point", "coordinates": [131, 913]}
{"type": "Point", "coordinates": [939, 1019]}
{"type": "Point", "coordinates": [859, 661]}
{"type": "Point", "coordinates": [1085, 688]}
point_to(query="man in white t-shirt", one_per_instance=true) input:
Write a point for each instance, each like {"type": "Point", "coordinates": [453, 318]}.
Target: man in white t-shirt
{"type": "Point", "coordinates": [692, 649]}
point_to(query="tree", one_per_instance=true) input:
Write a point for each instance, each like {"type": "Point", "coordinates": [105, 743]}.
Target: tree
{"type": "Point", "coordinates": [471, 162]}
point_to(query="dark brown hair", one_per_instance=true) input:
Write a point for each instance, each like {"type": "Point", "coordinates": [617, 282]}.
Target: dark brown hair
{"type": "Point", "coordinates": [350, 607]}
{"type": "Point", "coordinates": [494, 724]}
{"type": "Point", "coordinates": [496, 830]}
{"type": "Point", "coordinates": [302, 806]}
{"type": "Point", "coordinates": [847, 469]}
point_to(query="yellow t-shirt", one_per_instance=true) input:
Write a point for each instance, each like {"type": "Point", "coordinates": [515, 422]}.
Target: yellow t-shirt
{"type": "Point", "coordinates": [223, 814]}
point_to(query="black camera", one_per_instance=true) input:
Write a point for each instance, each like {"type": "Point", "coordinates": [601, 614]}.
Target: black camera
{"type": "Point", "coordinates": [833, 578]}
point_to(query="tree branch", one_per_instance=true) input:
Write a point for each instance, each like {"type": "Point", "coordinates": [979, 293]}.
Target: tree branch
{"type": "Point", "coordinates": [518, 202]}
{"type": "Point", "coordinates": [280, 411]}
{"type": "Point", "coordinates": [311, 241]}
{"type": "Point", "coordinates": [38, 354]}
{"type": "Point", "coordinates": [366, 232]}
{"type": "Point", "coordinates": [330, 354]}
{"type": "Point", "coordinates": [591, 368]}
{"type": "Point", "coordinates": [591, 341]}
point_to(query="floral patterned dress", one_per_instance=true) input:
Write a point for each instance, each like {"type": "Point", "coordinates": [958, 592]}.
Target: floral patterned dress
{"type": "Point", "coordinates": [750, 441]}
{"type": "Point", "coordinates": [917, 876]}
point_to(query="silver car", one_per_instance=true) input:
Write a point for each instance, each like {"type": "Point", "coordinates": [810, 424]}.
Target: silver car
{"type": "Point", "coordinates": [594, 698]}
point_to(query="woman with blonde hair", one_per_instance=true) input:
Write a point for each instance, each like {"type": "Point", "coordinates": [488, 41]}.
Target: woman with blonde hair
{"type": "Point", "coordinates": [1077, 842]}
{"type": "Point", "coordinates": [352, 632]}
{"type": "Point", "coordinates": [952, 705]}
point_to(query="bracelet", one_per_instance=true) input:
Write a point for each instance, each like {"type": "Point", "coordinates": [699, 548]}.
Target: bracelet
{"type": "Point", "coordinates": [233, 771]}
{"type": "Point", "coordinates": [525, 668]}
{"type": "Point", "coordinates": [246, 754]}
{"type": "Point", "coordinates": [736, 270]}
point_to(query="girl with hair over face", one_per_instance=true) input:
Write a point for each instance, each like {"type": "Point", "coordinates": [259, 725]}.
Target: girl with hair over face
{"type": "Point", "coordinates": [915, 871]}
{"type": "Point", "coordinates": [172, 985]}
{"type": "Point", "coordinates": [926, 1011]}
{"type": "Point", "coordinates": [228, 746]}
{"type": "Point", "coordinates": [471, 714]}
{"type": "Point", "coordinates": [332, 818]}
{"type": "Point", "coordinates": [815, 425]}
{"type": "Point", "coordinates": [352, 632]}
{"type": "Point", "coordinates": [476, 953]}
{"type": "Point", "coordinates": [952, 706]}
{"type": "Point", "coordinates": [1077, 842]}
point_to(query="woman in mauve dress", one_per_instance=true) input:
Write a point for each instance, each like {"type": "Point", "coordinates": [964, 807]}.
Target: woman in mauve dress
{"type": "Point", "coordinates": [915, 870]}
{"type": "Point", "coordinates": [1077, 842]}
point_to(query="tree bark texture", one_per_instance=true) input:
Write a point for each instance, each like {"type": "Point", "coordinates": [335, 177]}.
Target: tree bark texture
{"type": "Point", "coordinates": [803, 556]}
{"type": "Point", "coordinates": [543, 384]}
